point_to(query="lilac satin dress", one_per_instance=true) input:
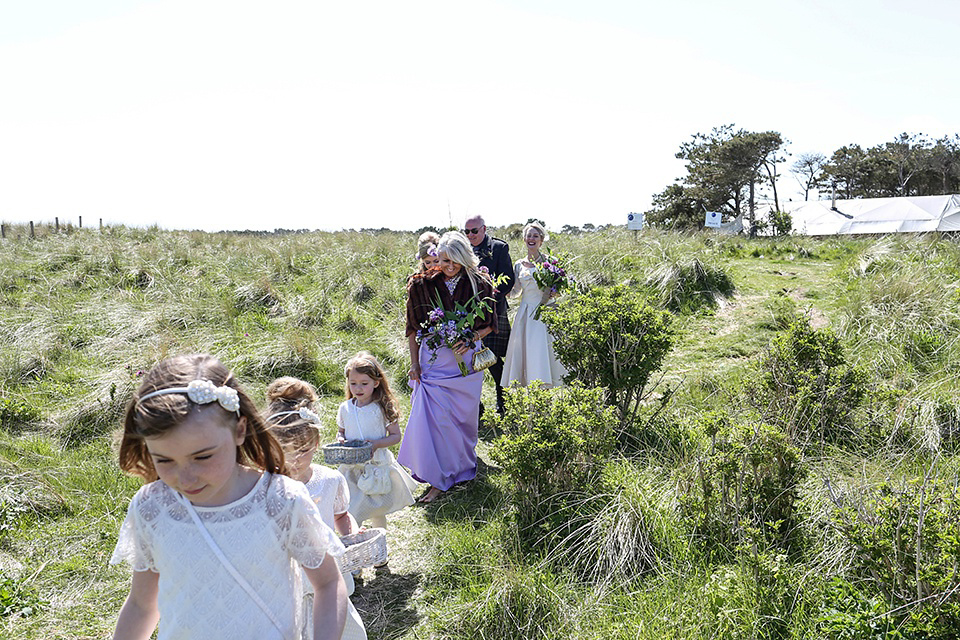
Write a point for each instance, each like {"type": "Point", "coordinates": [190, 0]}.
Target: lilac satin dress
{"type": "Point", "coordinates": [439, 444]}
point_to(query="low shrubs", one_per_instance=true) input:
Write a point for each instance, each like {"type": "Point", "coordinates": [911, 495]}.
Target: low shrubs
{"type": "Point", "coordinates": [743, 489]}
{"type": "Point", "coordinates": [807, 388]}
{"type": "Point", "coordinates": [553, 449]}
{"type": "Point", "coordinates": [612, 338]}
{"type": "Point", "coordinates": [906, 545]}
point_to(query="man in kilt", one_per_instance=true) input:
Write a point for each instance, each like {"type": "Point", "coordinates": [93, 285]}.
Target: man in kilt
{"type": "Point", "coordinates": [494, 254]}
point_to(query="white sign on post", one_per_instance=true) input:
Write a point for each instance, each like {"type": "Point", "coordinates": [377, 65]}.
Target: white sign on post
{"type": "Point", "coordinates": [635, 221]}
{"type": "Point", "coordinates": [713, 219]}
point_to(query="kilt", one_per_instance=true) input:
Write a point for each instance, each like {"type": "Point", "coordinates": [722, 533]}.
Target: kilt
{"type": "Point", "coordinates": [497, 342]}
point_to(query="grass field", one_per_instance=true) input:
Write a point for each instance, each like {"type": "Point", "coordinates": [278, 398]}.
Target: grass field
{"type": "Point", "coordinates": [84, 313]}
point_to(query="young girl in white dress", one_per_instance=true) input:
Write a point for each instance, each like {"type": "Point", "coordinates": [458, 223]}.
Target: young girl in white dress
{"type": "Point", "coordinates": [292, 418]}
{"type": "Point", "coordinates": [217, 536]}
{"type": "Point", "coordinates": [370, 413]}
{"type": "Point", "coordinates": [530, 353]}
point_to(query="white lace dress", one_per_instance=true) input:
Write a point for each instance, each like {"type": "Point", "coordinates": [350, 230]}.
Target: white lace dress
{"type": "Point", "coordinates": [368, 423]}
{"type": "Point", "coordinates": [530, 349]}
{"type": "Point", "coordinates": [264, 534]}
{"type": "Point", "coordinates": [330, 493]}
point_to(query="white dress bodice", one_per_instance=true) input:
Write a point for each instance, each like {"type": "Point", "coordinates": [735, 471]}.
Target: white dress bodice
{"type": "Point", "coordinates": [264, 535]}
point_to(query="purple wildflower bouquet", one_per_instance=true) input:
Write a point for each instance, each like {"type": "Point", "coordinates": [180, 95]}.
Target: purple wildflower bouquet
{"type": "Point", "coordinates": [445, 328]}
{"type": "Point", "coordinates": [552, 276]}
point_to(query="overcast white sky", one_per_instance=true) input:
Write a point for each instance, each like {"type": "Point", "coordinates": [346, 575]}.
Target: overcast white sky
{"type": "Point", "coordinates": [240, 114]}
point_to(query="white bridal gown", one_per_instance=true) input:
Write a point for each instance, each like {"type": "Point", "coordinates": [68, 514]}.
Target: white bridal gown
{"type": "Point", "coordinates": [530, 350]}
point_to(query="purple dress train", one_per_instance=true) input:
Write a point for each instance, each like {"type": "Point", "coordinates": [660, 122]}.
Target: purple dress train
{"type": "Point", "coordinates": [439, 444]}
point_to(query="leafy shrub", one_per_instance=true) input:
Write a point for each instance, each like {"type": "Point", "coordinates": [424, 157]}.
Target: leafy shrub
{"type": "Point", "coordinates": [744, 488]}
{"type": "Point", "coordinates": [554, 445]}
{"type": "Point", "coordinates": [807, 388]}
{"type": "Point", "coordinates": [610, 337]}
{"type": "Point", "coordinates": [906, 542]}
{"type": "Point", "coordinates": [780, 223]}
{"type": "Point", "coordinates": [688, 286]}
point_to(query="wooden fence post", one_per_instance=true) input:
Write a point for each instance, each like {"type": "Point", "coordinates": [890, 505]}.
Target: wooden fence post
{"type": "Point", "coordinates": [56, 222]}
{"type": "Point", "coordinates": [80, 224]}
{"type": "Point", "coordinates": [31, 229]}
{"type": "Point", "coordinates": [101, 225]}
{"type": "Point", "coordinates": [3, 231]}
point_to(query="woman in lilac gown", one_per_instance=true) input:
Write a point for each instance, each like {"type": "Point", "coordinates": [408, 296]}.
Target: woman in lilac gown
{"type": "Point", "coordinates": [439, 444]}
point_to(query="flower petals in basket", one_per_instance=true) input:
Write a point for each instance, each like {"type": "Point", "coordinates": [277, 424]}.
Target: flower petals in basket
{"type": "Point", "coordinates": [364, 549]}
{"type": "Point", "coordinates": [349, 452]}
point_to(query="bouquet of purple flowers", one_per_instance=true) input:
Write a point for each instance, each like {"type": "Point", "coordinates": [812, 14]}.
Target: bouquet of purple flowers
{"type": "Point", "coordinates": [445, 328]}
{"type": "Point", "coordinates": [552, 276]}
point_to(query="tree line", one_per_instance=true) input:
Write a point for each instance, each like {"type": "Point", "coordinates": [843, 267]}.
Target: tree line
{"type": "Point", "coordinates": [729, 168]}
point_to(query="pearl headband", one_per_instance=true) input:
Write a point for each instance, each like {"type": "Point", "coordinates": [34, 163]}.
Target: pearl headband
{"type": "Point", "coordinates": [203, 392]}
{"type": "Point", "coordinates": [304, 412]}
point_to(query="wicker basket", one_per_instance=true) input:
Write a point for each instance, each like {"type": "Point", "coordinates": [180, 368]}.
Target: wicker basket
{"type": "Point", "coordinates": [364, 549]}
{"type": "Point", "coordinates": [349, 452]}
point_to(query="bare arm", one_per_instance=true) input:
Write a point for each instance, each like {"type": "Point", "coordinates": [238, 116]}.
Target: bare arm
{"type": "Point", "coordinates": [345, 523]}
{"type": "Point", "coordinates": [139, 614]}
{"type": "Point", "coordinates": [329, 600]}
{"type": "Point", "coordinates": [414, 357]}
{"type": "Point", "coordinates": [392, 437]}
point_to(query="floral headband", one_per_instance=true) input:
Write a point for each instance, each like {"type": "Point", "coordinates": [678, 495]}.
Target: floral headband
{"type": "Point", "coordinates": [304, 412]}
{"type": "Point", "coordinates": [429, 250]}
{"type": "Point", "coordinates": [203, 392]}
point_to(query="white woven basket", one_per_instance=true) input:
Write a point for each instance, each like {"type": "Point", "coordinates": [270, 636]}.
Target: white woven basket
{"type": "Point", "coordinates": [364, 549]}
{"type": "Point", "coordinates": [349, 452]}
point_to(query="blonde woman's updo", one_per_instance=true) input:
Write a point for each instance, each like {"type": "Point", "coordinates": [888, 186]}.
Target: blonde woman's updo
{"type": "Point", "coordinates": [538, 227]}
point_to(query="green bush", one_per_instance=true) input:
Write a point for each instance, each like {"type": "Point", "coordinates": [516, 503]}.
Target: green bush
{"type": "Point", "coordinates": [906, 544]}
{"type": "Point", "coordinates": [807, 388]}
{"type": "Point", "coordinates": [553, 448]}
{"type": "Point", "coordinates": [743, 489]}
{"type": "Point", "coordinates": [610, 337]}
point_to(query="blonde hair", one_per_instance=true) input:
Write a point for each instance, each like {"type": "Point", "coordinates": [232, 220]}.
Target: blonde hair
{"type": "Point", "coordinates": [365, 363]}
{"type": "Point", "coordinates": [289, 394]}
{"type": "Point", "coordinates": [538, 227]}
{"type": "Point", "coordinates": [459, 250]}
{"type": "Point", "coordinates": [159, 414]}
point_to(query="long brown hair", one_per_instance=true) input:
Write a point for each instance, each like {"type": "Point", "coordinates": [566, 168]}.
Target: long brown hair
{"type": "Point", "coordinates": [365, 363]}
{"type": "Point", "coordinates": [158, 415]}
{"type": "Point", "coordinates": [291, 394]}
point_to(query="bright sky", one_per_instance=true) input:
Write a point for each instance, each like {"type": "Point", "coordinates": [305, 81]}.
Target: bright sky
{"type": "Point", "coordinates": [320, 114]}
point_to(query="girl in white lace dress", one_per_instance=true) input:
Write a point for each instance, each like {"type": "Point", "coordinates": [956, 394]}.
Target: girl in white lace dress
{"type": "Point", "coordinates": [370, 413]}
{"type": "Point", "coordinates": [217, 536]}
{"type": "Point", "coordinates": [292, 418]}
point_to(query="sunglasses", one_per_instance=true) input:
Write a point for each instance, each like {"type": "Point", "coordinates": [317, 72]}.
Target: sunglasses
{"type": "Point", "coordinates": [468, 232]}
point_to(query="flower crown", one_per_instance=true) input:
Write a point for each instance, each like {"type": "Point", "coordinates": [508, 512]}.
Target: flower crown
{"type": "Point", "coordinates": [305, 413]}
{"type": "Point", "coordinates": [203, 392]}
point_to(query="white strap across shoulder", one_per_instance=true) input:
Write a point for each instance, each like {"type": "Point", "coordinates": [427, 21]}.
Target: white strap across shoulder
{"type": "Point", "coordinates": [226, 564]}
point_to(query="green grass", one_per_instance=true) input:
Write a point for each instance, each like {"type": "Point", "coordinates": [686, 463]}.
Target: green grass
{"type": "Point", "coordinates": [83, 314]}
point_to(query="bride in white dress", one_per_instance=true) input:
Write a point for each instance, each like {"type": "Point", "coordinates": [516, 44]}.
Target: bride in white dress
{"type": "Point", "coordinates": [530, 350]}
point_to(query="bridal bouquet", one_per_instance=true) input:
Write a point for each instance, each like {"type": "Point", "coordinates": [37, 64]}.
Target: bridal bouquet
{"type": "Point", "coordinates": [552, 276]}
{"type": "Point", "coordinates": [445, 328]}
